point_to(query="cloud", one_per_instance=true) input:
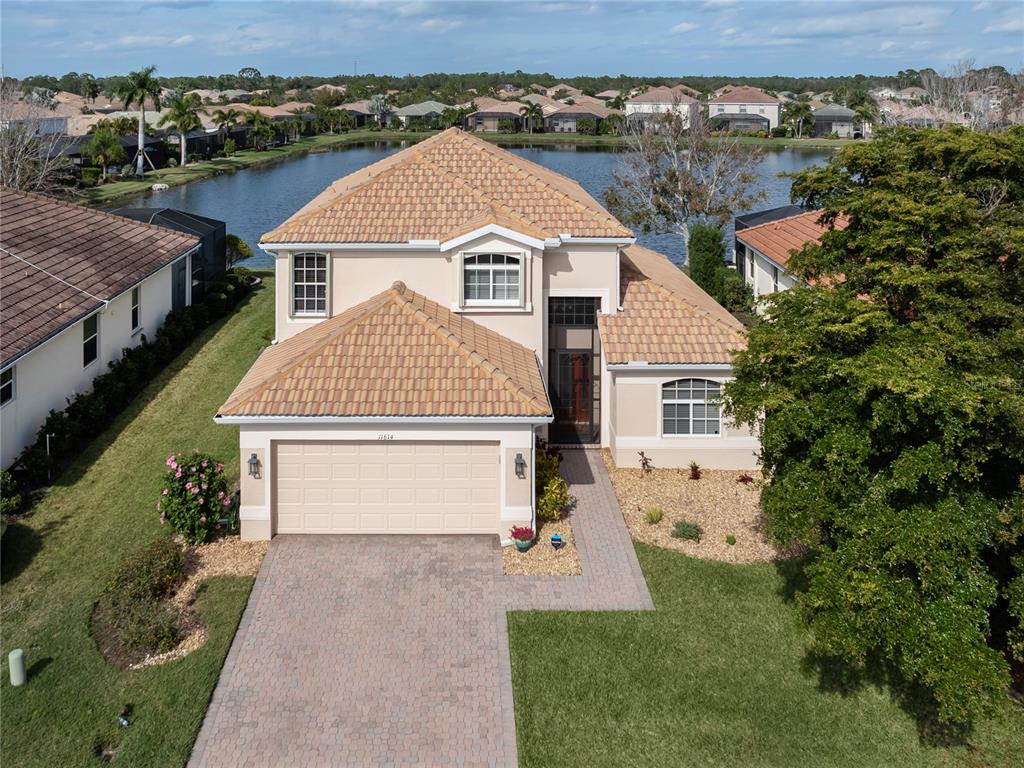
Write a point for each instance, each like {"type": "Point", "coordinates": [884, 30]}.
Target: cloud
{"type": "Point", "coordinates": [981, 6]}
{"type": "Point", "coordinates": [440, 25]}
{"type": "Point", "coordinates": [886, 45]}
{"type": "Point", "coordinates": [180, 41]}
{"type": "Point", "coordinates": [873, 21]}
{"type": "Point", "coordinates": [1009, 24]}
{"type": "Point", "coordinates": [685, 26]}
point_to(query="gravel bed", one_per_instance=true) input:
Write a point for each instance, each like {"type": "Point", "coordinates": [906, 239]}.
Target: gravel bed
{"type": "Point", "coordinates": [542, 559]}
{"type": "Point", "coordinates": [718, 503]}
{"type": "Point", "coordinates": [225, 556]}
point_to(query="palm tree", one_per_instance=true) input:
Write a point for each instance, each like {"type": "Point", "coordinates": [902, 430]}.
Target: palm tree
{"type": "Point", "coordinates": [226, 119]}
{"type": "Point", "coordinates": [380, 106]}
{"type": "Point", "coordinates": [183, 115]}
{"type": "Point", "coordinates": [105, 148]}
{"type": "Point", "coordinates": [531, 113]}
{"type": "Point", "coordinates": [136, 88]}
{"type": "Point", "coordinates": [797, 113]}
{"type": "Point", "coordinates": [260, 130]}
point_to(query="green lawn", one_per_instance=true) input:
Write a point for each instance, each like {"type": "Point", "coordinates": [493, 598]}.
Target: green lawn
{"type": "Point", "coordinates": [56, 561]}
{"type": "Point", "coordinates": [715, 676]}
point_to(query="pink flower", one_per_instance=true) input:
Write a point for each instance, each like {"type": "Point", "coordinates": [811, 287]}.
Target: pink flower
{"type": "Point", "coordinates": [162, 518]}
{"type": "Point", "coordinates": [204, 486]}
{"type": "Point", "coordinates": [205, 463]}
{"type": "Point", "coordinates": [165, 492]}
{"type": "Point", "coordinates": [220, 494]}
{"type": "Point", "coordinates": [188, 486]}
{"type": "Point", "coordinates": [202, 500]}
{"type": "Point", "coordinates": [227, 502]}
{"type": "Point", "coordinates": [218, 467]}
{"type": "Point", "coordinates": [195, 489]}
{"type": "Point", "coordinates": [178, 473]}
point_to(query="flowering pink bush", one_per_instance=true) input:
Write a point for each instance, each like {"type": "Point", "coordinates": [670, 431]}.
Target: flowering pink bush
{"type": "Point", "coordinates": [195, 495]}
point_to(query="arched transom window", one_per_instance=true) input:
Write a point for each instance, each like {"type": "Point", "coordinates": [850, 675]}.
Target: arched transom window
{"type": "Point", "coordinates": [490, 277]}
{"type": "Point", "coordinates": [690, 407]}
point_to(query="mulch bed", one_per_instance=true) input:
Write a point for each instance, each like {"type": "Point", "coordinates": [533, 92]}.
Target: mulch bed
{"type": "Point", "coordinates": [542, 559]}
{"type": "Point", "coordinates": [718, 503]}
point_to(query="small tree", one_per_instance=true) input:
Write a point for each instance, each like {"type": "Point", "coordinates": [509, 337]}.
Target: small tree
{"type": "Point", "coordinates": [31, 157]}
{"type": "Point", "coordinates": [705, 256]}
{"type": "Point", "coordinates": [380, 107]}
{"type": "Point", "coordinates": [183, 115]}
{"type": "Point", "coordinates": [237, 250]}
{"type": "Point", "coordinates": [105, 149]}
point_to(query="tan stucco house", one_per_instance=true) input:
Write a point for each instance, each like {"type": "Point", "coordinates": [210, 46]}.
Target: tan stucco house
{"type": "Point", "coordinates": [440, 310]}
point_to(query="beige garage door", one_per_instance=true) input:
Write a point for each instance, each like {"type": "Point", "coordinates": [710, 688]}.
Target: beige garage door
{"type": "Point", "coordinates": [387, 487]}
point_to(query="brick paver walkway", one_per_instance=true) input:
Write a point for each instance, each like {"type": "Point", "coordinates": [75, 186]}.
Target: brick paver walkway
{"type": "Point", "coordinates": [393, 650]}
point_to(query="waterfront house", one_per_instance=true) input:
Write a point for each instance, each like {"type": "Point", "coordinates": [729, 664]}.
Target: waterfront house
{"type": "Point", "coordinates": [568, 118]}
{"type": "Point", "coordinates": [661, 100]}
{"type": "Point", "coordinates": [491, 115]}
{"type": "Point", "coordinates": [745, 109]}
{"type": "Point", "coordinates": [765, 240]}
{"type": "Point", "coordinates": [436, 313]}
{"type": "Point", "coordinates": [80, 285]}
{"type": "Point", "coordinates": [427, 113]}
{"type": "Point", "coordinates": [837, 119]}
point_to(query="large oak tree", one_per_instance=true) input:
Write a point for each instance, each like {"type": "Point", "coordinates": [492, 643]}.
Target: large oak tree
{"type": "Point", "coordinates": [889, 395]}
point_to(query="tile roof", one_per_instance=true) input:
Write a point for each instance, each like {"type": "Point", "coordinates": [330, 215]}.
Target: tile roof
{"type": "Point", "coordinates": [443, 187]}
{"type": "Point", "coordinates": [666, 318]}
{"type": "Point", "coordinates": [422, 109]}
{"type": "Point", "coordinates": [662, 94]}
{"type": "Point", "coordinates": [59, 262]}
{"type": "Point", "coordinates": [485, 105]}
{"type": "Point", "coordinates": [397, 354]}
{"type": "Point", "coordinates": [778, 239]}
{"type": "Point", "coordinates": [744, 94]}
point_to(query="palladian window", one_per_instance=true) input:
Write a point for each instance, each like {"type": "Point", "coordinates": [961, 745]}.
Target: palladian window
{"type": "Point", "coordinates": [690, 407]}
{"type": "Point", "coordinates": [491, 278]}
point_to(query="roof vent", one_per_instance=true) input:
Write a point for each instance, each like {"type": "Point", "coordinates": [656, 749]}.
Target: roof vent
{"type": "Point", "coordinates": [398, 286]}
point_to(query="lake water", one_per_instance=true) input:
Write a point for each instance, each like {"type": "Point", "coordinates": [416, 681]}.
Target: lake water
{"type": "Point", "coordinates": [256, 200]}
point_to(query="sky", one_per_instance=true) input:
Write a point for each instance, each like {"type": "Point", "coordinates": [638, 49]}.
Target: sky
{"type": "Point", "coordinates": [719, 37]}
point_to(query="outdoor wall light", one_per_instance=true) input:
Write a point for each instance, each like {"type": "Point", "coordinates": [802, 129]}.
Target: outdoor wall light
{"type": "Point", "coordinates": [254, 466]}
{"type": "Point", "coordinates": [520, 466]}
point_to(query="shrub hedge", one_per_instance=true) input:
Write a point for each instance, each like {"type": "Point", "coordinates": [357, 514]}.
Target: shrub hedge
{"type": "Point", "coordinates": [89, 413]}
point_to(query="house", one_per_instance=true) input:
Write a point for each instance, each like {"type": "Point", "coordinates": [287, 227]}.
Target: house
{"type": "Point", "coordinates": [492, 114]}
{"type": "Point", "coordinates": [436, 313]}
{"type": "Point", "coordinates": [563, 90]}
{"type": "Point", "coordinates": [837, 119]}
{"type": "Point", "coordinates": [80, 285]}
{"type": "Point", "coordinates": [327, 88]}
{"type": "Point", "coordinates": [662, 100]}
{"type": "Point", "coordinates": [608, 95]}
{"type": "Point", "coordinates": [566, 119]}
{"type": "Point", "coordinates": [766, 239]}
{"type": "Point", "coordinates": [209, 263]}
{"type": "Point", "coordinates": [745, 109]}
{"type": "Point", "coordinates": [548, 106]}
{"type": "Point", "coordinates": [359, 111]}
{"type": "Point", "coordinates": [426, 112]}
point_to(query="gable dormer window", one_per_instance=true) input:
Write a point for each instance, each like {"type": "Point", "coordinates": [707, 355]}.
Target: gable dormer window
{"type": "Point", "coordinates": [491, 279]}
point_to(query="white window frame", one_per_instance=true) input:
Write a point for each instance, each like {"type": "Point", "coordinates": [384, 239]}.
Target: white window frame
{"type": "Point", "coordinates": [292, 284]}
{"type": "Point", "coordinates": [136, 309]}
{"type": "Point", "coordinates": [86, 339]}
{"type": "Point", "coordinates": [775, 278]}
{"type": "Point", "coordinates": [12, 373]}
{"type": "Point", "coordinates": [690, 403]}
{"type": "Point", "coordinates": [520, 261]}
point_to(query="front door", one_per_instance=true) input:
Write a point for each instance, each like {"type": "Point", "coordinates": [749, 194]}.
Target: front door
{"type": "Point", "coordinates": [574, 397]}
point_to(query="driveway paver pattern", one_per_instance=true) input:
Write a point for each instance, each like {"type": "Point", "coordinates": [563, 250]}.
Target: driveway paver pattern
{"type": "Point", "coordinates": [393, 650]}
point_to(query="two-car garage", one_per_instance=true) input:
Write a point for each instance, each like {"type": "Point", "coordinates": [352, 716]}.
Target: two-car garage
{"type": "Point", "coordinates": [386, 486]}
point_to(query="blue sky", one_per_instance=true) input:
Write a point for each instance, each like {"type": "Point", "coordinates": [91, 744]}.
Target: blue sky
{"type": "Point", "coordinates": [824, 37]}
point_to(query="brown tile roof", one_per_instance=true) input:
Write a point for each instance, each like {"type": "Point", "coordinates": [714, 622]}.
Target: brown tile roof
{"type": "Point", "coordinates": [662, 94]}
{"type": "Point", "coordinates": [59, 262]}
{"type": "Point", "coordinates": [485, 105]}
{"type": "Point", "coordinates": [666, 318]}
{"type": "Point", "coordinates": [398, 354]}
{"type": "Point", "coordinates": [435, 189]}
{"type": "Point", "coordinates": [597, 110]}
{"type": "Point", "coordinates": [778, 239]}
{"type": "Point", "coordinates": [744, 94]}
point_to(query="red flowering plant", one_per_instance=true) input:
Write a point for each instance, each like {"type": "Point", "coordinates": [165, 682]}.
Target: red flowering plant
{"type": "Point", "coordinates": [195, 495]}
{"type": "Point", "coordinates": [522, 533]}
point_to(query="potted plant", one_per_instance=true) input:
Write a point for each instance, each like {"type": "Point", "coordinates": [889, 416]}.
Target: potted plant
{"type": "Point", "coordinates": [523, 537]}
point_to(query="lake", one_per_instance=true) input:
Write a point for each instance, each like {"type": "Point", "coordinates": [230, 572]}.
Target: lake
{"type": "Point", "coordinates": [256, 200]}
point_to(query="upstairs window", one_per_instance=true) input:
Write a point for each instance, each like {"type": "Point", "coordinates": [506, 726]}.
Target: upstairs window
{"type": "Point", "coordinates": [690, 407]}
{"type": "Point", "coordinates": [90, 340]}
{"type": "Point", "coordinates": [491, 278]}
{"type": "Point", "coordinates": [6, 386]}
{"type": "Point", "coordinates": [309, 284]}
{"type": "Point", "coordinates": [136, 313]}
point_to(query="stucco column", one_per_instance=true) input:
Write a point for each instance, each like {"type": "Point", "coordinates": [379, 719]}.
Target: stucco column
{"type": "Point", "coordinates": [254, 507]}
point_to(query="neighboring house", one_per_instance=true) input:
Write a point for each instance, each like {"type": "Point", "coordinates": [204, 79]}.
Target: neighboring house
{"type": "Point", "coordinates": [490, 113]}
{"type": "Point", "coordinates": [837, 119]}
{"type": "Point", "coordinates": [548, 106]}
{"type": "Point", "coordinates": [359, 111]}
{"type": "Point", "coordinates": [210, 262]}
{"type": "Point", "coordinates": [608, 95]}
{"type": "Point", "coordinates": [563, 90]}
{"type": "Point", "coordinates": [765, 240]}
{"type": "Point", "coordinates": [745, 109]}
{"type": "Point", "coordinates": [440, 310]}
{"type": "Point", "coordinates": [39, 120]}
{"type": "Point", "coordinates": [565, 119]}
{"type": "Point", "coordinates": [662, 100]}
{"type": "Point", "coordinates": [79, 286]}
{"type": "Point", "coordinates": [341, 90]}
{"type": "Point", "coordinates": [427, 112]}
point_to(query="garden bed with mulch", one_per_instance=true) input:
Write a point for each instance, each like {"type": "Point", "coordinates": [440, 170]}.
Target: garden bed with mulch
{"type": "Point", "coordinates": [718, 502]}
{"type": "Point", "coordinates": [542, 559]}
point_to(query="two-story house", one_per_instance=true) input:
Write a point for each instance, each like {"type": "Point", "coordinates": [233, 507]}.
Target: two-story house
{"type": "Point", "coordinates": [440, 310]}
{"type": "Point", "coordinates": [662, 100]}
{"type": "Point", "coordinates": [745, 109]}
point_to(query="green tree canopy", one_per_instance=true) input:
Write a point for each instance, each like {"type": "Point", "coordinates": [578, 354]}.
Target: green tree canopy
{"type": "Point", "coordinates": [889, 397]}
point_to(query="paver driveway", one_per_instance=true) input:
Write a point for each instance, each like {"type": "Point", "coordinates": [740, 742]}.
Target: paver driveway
{"type": "Point", "coordinates": [393, 650]}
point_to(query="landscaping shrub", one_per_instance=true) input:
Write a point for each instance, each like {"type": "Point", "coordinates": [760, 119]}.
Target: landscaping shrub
{"type": "Point", "coordinates": [506, 126]}
{"type": "Point", "coordinates": [172, 162]}
{"type": "Point", "coordinates": [216, 305]}
{"type": "Point", "coordinates": [694, 470]}
{"type": "Point", "coordinates": [653, 516]}
{"type": "Point", "coordinates": [745, 479]}
{"type": "Point", "coordinates": [90, 177]}
{"type": "Point", "coordinates": [547, 466]}
{"type": "Point", "coordinates": [10, 496]}
{"type": "Point", "coordinates": [194, 496]}
{"type": "Point", "coordinates": [706, 265]}
{"type": "Point", "coordinates": [132, 618]}
{"type": "Point", "coordinates": [230, 147]}
{"type": "Point", "coordinates": [684, 529]}
{"type": "Point", "coordinates": [554, 500]}
{"type": "Point", "coordinates": [586, 127]}
{"type": "Point", "coordinates": [730, 540]}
